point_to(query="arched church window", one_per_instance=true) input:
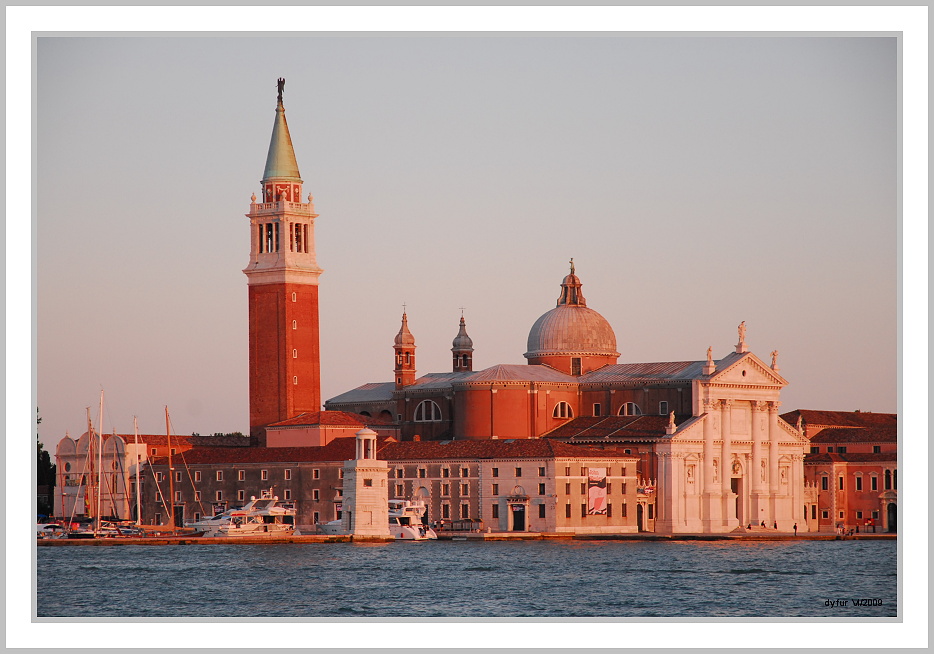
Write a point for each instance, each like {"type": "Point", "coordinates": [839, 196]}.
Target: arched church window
{"type": "Point", "coordinates": [427, 411]}
{"type": "Point", "coordinates": [562, 410]}
{"type": "Point", "coordinates": [630, 409]}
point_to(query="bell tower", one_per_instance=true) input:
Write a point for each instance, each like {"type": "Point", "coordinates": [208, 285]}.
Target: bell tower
{"type": "Point", "coordinates": [404, 347]}
{"type": "Point", "coordinates": [282, 282]}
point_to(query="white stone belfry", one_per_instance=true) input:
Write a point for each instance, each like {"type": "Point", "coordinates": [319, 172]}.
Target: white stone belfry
{"type": "Point", "coordinates": [366, 492]}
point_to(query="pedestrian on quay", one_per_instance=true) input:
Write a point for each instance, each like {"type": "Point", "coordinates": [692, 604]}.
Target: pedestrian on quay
{"type": "Point", "coordinates": [796, 529]}
{"type": "Point", "coordinates": [775, 525]}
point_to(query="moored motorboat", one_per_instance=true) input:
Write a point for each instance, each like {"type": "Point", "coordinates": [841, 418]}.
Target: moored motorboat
{"type": "Point", "coordinates": [405, 522]}
{"type": "Point", "coordinates": [261, 517]}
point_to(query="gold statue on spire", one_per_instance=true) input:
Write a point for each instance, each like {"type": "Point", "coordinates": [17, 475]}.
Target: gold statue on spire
{"type": "Point", "coordinates": [281, 83]}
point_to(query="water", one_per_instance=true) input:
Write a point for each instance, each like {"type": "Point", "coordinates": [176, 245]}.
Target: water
{"type": "Point", "coordinates": [568, 579]}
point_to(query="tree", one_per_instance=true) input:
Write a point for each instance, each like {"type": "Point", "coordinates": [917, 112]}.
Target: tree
{"type": "Point", "coordinates": [45, 473]}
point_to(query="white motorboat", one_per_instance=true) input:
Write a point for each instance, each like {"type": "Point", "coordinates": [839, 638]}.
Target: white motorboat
{"type": "Point", "coordinates": [260, 518]}
{"type": "Point", "coordinates": [405, 522]}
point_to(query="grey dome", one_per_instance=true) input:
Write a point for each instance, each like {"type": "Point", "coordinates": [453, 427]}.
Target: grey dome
{"type": "Point", "coordinates": [571, 329]}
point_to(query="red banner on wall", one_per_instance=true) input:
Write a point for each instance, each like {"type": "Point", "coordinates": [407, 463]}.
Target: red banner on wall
{"type": "Point", "coordinates": [596, 491]}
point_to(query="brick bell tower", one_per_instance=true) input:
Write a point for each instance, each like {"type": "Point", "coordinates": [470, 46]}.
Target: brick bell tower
{"type": "Point", "coordinates": [282, 279]}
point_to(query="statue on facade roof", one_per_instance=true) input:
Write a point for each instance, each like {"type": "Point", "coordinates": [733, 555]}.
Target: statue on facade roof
{"type": "Point", "coordinates": [742, 332]}
{"type": "Point", "coordinates": [710, 356]}
{"type": "Point", "coordinates": [281, 83]}
{"type": "Point", "coordinates": [774, 357]}
{"type": "Point", "coordinates": [671, 419]}
{"type": "Point", "coordinates": [572, 265]}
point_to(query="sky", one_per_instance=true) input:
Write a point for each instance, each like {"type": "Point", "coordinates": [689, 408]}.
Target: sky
{"type": "Point", "coordinates": [696, 181]}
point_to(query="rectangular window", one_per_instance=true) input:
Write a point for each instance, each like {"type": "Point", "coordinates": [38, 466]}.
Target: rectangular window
{"type": "Point", "coordinates": [583, 472]}
{"type": "Point", "coordinates": [445, 472]}
{"type": "Point", "coordinates": [315, 473]}
{"type": "Point", "coordinates": [825, 515]}
{"type": "Point", "coordinates": [316, 517]}
{"type": "Point", "coordinates": [315, 495]}
{"type": "Point", "coordinates": [197, 516]}
{"type": "Point", "coordinates": [400, 473]}
{"type": "Point", "coordinates": [288, 474]}
{"type": "Point", "coordinates": [874, 483]}
{"type": "Point", "coordinates": [859, 515]}
{"type": "Point", "coordinates": [541, 471]}
{"type": "Point", "coordinates": [158, 519]}
{"type": "Point", "coordinates": [465, 511]}
{"type": "Point", "coordinates": [622, 473]}
{"type": "Point", "coordinates": [400, 490]}
{"type": "Point", "coordinates": [518, 472]}
{"type": "Point", "coordinates": [584, 510]}
{"type": "Point", "coordinates": [445, 489]}
{"type": "Point", "coordinates": [241, 495]}
{"type": "Point", "coordinates": [841, 449]}
{"type": "Point", "coordinates": [575, 366]}
{"type": "Point", "coordinates": [663, 408]}
{"type": "Point", "coordinates": [877, 449]}
{"type": "Point", "coordinates": [841, 515]}
{"type": "Point", "coordinates": [824, 483]}
{"type": "Point", "coordinates": [609, 510]}
{"type": "Point", "coordinates": [651, 511]}
{"type": "Point", "coordinates": [567, 510]}
{"type": "Point", "coordinates": [541, 510]}
{"type": "Point", "coordinates": [178, 476]}
{"type": "Point", "coordinates": [840, 483]}
{"type": "Point", "coordinates": [340, 473]}
{"type": "Point", "coordinates": [178, 496]}
{"type": "Point", "coordinates": [609, 488]}
{"type": "Point", "coordinates": [219, 496]}
{"type": "Point", "coordinates": [596, 408]}
{"type": "Point", "coordinates": [264, 475]}
{"type": "Point", "coordinates": [158, 497]}
{"type": "Point", "coordinates": [815, 449]}
{"type": "Point", "coordinates": [583, 488]}
{"type": "Point", "coordinates": [287, 494]}
{"type": "Point", "coordinates": [627, 451]}
{"type": "Point", "coordinates": [445, 511]}
{"type": "Point", "coordinates": [219, 475]}
{"type": "Point", "coordinates": [541, 489]}
{"type": "Point", "coordinates": [496, 472]}
{"type": "Point", "coordinates": [567, 488]}
{"type": "Point", "coordinates": [368, 483]}
{"type": "Point", "coordinates": [623, 512]}
{"type": "Point", "coordinates": [159, 476]}
{"type": "Point", "coordinates": [567, 471]}
{"type": "Point", "coordinates": [197, 475]}
{"type": "Point", "coordinates": [173, 451]}
{"type": "Point", "coordinates": [830, 449]}
{"type": "Point", "coordinates": [875, 515]}
{"type": "Point", "coordinates": [496, 489]}
{"type": "Point", "coordinates": [197, 496]}
{"type": "Point", "coordinates": [495, 510]}
{"type": "Point", "coordinates": [813, 512]}
{"type": "Point", "coordinates": [859, 483]}
{"type": "Point", "coordinates": [422, 473]}
{"type": "Point", "coordinates": [241, 475]}
{"type": "Point", "coordinates": [152, 452]}
{"type": "Point", "coordinates": [465, 489]}
{"type": "Point", "coordinates": [465, 472]}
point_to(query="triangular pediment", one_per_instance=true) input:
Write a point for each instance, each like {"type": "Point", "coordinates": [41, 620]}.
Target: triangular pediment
{"type": "Point", "coordinates": [748, 369]}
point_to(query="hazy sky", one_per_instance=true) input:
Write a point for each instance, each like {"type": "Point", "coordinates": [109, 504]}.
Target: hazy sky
{"type": "Point", "coordinates": [696, 181]}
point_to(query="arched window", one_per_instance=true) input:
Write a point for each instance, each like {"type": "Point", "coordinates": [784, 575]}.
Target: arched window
{"type": "Point", "coordinates": [562, 410]}
{"type": "Point", "coordinates": [630, 409]}
{"type": "Point", "coordinates": [427, 411]}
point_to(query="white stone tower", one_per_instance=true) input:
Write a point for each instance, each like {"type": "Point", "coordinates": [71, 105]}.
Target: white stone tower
{"type": "Point", "coordinates": [366, 491]}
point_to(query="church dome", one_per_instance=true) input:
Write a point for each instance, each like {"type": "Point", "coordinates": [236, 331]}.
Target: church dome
{"type": "Point", "coordinates": [571, 327]}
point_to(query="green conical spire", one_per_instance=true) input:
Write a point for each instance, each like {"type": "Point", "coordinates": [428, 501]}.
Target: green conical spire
{"type": "Point", "coordinates": [280, 162]}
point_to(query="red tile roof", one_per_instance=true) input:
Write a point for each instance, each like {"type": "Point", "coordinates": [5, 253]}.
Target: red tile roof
{"type": "Point", "coordinates": [856, 435]}
{"type": "Point", "coordinates": [343, 449]}
{"type": "Point", "coordinates": [590, 428]}
{"type": "Point", "coordinates": [330, 419]}
{"type": "Point", "coordinates": [865, 457]}
{"type": "Point", "coordinates": [841, 418]}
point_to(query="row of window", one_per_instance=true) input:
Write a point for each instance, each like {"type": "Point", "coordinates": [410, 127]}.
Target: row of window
{"type": "Point", "coordinates": [241, 475]}
{"type": "Point", "coordinates": [841, 449]}
{"type": "Point", "coordinates": [429, 411]}
{"type": "Point", "coordinates": [825, 514]}
{"type": "Point", "coordinates": [890, 481]}
{"type": "Point", "coordinates": [219, 495]}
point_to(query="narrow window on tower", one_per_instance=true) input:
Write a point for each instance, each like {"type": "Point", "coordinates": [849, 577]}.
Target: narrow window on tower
{"type": "Point", "coordinates": [305, 239]}
{"type": "Point", "coordinates": [259, 239]}
{"type": "Point", "coordinates": [269, 237]}
{"type": "Point", "coordinates": [276, 230]}
{"type": "Point", "coordinates": [294, 354]}
{"type": "Point", "coordinates": [294, 324]}
{"type": "Point", "coordinates": [291, 237]}
{"type": "Point", "coordinates": [294, 297]}
{"type": "Point", "coordinates": [295, 381]}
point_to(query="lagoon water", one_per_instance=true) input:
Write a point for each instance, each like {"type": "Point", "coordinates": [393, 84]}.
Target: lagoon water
{"type": "Point", "coordinates": [566, 579]}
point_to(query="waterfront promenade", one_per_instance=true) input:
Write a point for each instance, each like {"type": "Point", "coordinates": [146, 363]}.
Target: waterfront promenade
{"type": "Point", "coordinates": [453, 536]}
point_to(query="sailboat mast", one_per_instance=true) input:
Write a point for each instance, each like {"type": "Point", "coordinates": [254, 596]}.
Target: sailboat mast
{"type": "Point", "coordinates": [168, 439]}
{"type": "Point", "coordinates": [89, 467]}
{"type": "Point", "coordinates": [139, 515]}
{"type": "Point", "coordinates": [100, 461]}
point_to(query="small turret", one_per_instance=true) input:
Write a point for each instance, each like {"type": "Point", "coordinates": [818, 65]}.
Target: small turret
{"type": "Point", "coordinates": [462, 350]}
{"type": "Point", "coordinates": [404, 346]}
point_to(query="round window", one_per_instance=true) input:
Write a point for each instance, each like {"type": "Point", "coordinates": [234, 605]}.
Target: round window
{"type": "Point", "coordinates": [67, 466]}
